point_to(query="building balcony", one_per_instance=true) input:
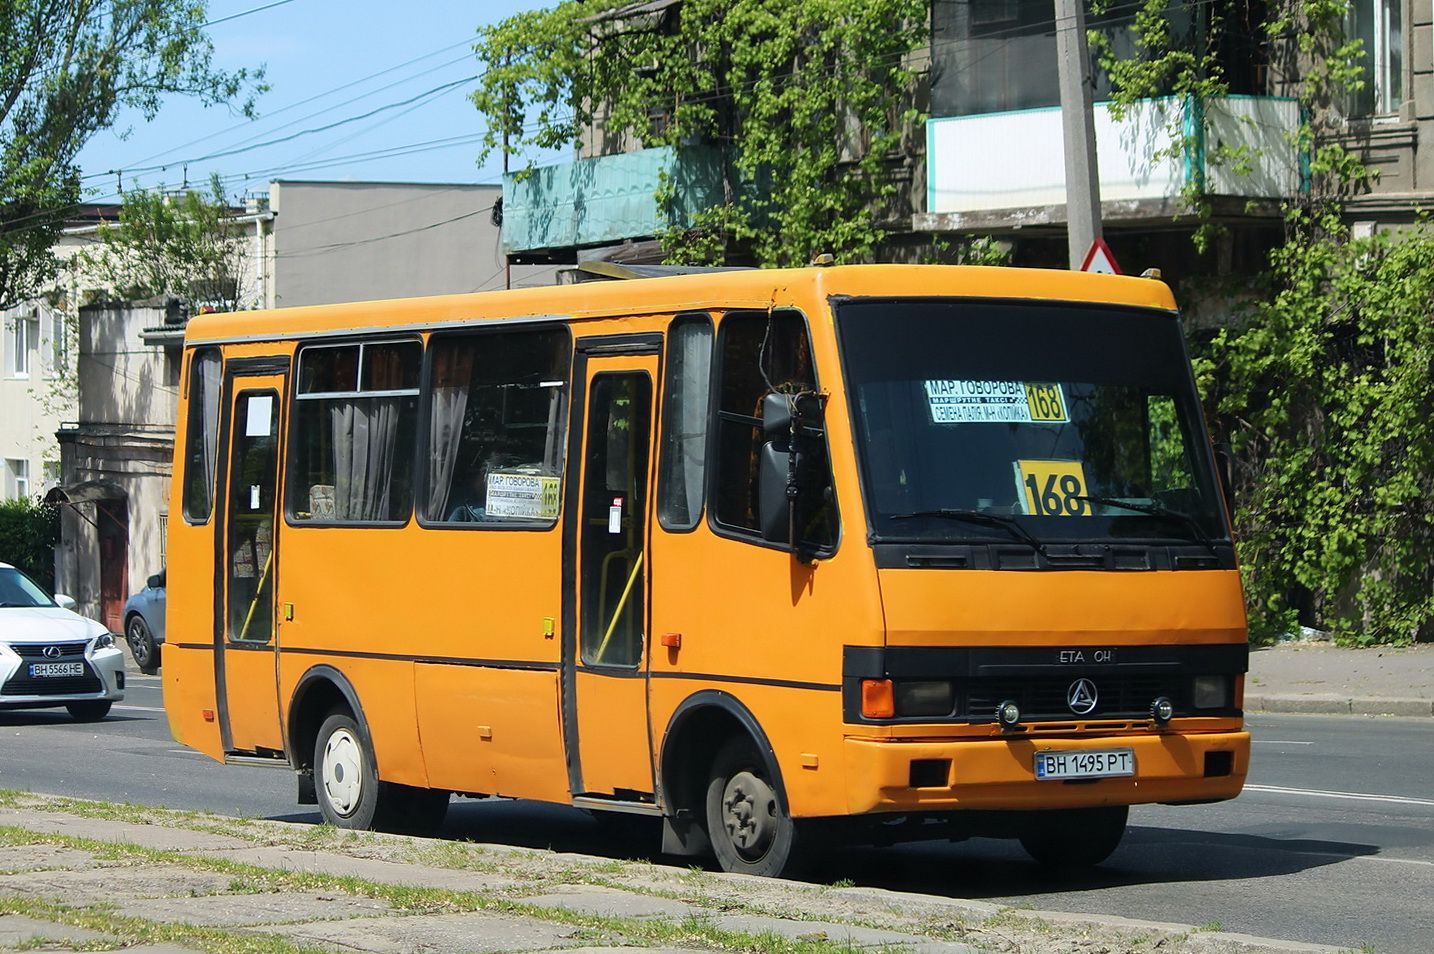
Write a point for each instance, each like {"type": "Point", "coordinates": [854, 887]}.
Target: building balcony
{"type": "Point", "coordinates": [554, 210]}
{"type": "Point", "coordinates": [1006, 170]}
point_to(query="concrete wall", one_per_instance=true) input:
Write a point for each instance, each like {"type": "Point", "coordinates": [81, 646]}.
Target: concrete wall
{"type": "Point", "coordinates": [361, 241]}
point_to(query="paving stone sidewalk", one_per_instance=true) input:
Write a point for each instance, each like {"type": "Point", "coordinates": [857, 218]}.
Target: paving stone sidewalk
{"type": "Point", "coordinates": [1317, 677]}
{"type": "Point", "coordinates": [75, 877]}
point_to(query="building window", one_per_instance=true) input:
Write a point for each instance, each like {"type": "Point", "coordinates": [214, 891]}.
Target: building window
{"type": "Point", "coordinates": [17, 478]}
{"type": "Point", "coordinates": [1378, 26]}
{"type": "Point", "coordinates": [18, 336]}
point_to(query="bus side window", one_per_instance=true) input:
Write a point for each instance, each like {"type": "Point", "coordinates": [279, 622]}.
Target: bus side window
{"type": "Point", "coordinates": [202, 437]}
{"type": "Point", "coordinates": [764, 354]}
{"type": "Point", "coordinates": [497, 413]}
{"type": "Point", "coordinates": [682, 468]}
{"type": "Point", "coordinates": [354, 420]}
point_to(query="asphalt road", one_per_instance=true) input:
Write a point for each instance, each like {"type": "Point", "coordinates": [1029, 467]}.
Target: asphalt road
{"type": "Point", "coordinates": [1332, 842]}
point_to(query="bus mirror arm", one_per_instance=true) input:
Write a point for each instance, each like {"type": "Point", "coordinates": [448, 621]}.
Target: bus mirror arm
{"type": "Point", "coordinates": [1225, 467]}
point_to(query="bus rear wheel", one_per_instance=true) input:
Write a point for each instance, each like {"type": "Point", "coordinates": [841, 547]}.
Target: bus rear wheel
{"type": "Point", "coordinates": [747, 820]}
{"type": "Point", "coordinates": [1064, 839]}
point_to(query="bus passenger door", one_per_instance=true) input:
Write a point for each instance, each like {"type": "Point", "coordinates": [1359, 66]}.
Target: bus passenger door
{"type": "Point", "coordinates": [605, 652]}
{"type": "Point", "coordinates": [245, 638]}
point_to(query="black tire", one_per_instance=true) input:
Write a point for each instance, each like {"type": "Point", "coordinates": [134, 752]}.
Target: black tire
{"type": "Point", "coordinates": [91, 711]}
{"type": "Point", "coordinates": [1071, 838]}
{"type": "Point", "coordinates": [747, 819]}
{"type": "Point", "coordinates": [350, 793]}
{"type": "Point", "coordinates": [345, 775]}
{"type": "Point", "coordinates": [142, 647]}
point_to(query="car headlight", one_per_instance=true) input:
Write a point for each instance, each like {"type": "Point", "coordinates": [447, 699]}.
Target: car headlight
{"type": "Point", "coordinates": [105, 641]}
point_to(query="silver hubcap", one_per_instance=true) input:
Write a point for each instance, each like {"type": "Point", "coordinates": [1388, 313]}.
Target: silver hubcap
{"type": "Point", "coordinates": [343, 771]}
{"type": "Point", "coordinates": [749, 813]}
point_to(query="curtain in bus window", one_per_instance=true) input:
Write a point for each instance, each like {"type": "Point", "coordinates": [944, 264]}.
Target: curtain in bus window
{"type": "Point", "coordinates": [364, 437]}
{"type": "Point", "coordinates": [452, 370]}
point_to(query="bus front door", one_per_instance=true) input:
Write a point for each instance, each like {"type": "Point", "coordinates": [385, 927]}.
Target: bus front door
{"type": "Point", "coordinates": [605, 649]}
{"type": "Point", "coordinates": [245, 639]}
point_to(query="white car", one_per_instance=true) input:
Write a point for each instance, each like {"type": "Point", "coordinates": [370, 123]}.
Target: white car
{"type": "Point", "coordinates": [51, 656]}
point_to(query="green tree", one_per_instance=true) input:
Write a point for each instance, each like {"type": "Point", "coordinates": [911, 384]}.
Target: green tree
{"type": "Point", "coordinates": [806, 101]}
{"type": "Point", "coordinates": [67, 69]}
{"type": "Point", "coordinates": [29, 532]}
{"type": "Point", "coordinates": [165, 244]}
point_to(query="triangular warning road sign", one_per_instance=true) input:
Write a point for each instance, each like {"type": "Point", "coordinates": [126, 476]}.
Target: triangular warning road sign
{"type": "Point", "coordinates": [1099, 259]}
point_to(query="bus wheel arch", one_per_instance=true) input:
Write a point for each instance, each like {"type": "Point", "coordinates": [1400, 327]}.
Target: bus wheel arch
{"type": "Point", "coordinates": [320, 691]}
{"type": "Point", "coordinates": [717, 765]}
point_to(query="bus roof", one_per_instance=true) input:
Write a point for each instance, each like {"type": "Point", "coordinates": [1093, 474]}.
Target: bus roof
{"type": "Point", "coordinates": [737, 288]}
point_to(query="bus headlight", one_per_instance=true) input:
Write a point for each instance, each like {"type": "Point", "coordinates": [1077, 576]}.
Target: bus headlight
{"type": "Point", "coordinates": [927, 698]}
{"type": "Point", "coordinates": [1210, 692]}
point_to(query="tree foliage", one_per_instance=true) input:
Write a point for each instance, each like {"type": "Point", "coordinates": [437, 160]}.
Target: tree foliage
{"type": "Point", "coordinates": [67, 69]}
{"type": "Point", "coordinates": [29, 532]}
{"type": "Point", "coordinates": [805, 100]}
{"type": "Point", "coordinates": [1322, 381]}
{"type": "Point", "coordinates": [172, 244]}
{"type": "Point", "coordinates": [1326, 393]}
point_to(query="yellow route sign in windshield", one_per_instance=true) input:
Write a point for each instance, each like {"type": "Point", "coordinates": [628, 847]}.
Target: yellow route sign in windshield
{"type": "Point", "coordinates": [1053, 488]}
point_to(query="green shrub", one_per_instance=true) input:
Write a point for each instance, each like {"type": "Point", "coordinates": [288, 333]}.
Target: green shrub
{"type": "Point", "coordinates": [29, 532]}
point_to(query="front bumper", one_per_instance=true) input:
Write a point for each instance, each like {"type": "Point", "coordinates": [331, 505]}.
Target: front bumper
{"type": "Point", "coordinates": [997, 774]}
{"type": "Point", "coordinates": [103, 678]}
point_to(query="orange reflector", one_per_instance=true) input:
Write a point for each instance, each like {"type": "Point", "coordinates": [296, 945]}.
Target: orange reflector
{"type": "Point", "coordinates": [672, 640]}
{"type": "Point", "coordinates": [208, 715]}
{"type": "Point", "coordinates": [878, 701]}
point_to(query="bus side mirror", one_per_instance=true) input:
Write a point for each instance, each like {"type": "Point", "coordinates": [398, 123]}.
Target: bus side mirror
{"type": "Point", "coordinates": [773, 505]}
{"type": "Point", "coordinates": [774, 469]}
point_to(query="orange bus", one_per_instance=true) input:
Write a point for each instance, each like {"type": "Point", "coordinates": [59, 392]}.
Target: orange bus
{"type": "Point", "coordinates": [780, 557]}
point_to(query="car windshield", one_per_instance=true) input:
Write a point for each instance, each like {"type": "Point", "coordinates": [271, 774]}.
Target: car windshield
{"type": "Point", "coordinates": [17, 589]}
{"type": "Point", "coordinates": [1026, 422]}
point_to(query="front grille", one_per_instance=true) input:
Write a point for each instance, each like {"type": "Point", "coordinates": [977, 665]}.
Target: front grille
{"type": "Point", "coordinates": [1045, 698]}
{"type": "Point", "coordinates": [24, 684]}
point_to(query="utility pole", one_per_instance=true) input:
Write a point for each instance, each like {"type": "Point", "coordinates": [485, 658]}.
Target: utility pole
{"type": "Point", "coordinates": [1078, 128]}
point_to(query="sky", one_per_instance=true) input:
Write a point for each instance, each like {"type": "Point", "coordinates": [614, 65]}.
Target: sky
{"type": "Point", "coordinates": [390, 81]}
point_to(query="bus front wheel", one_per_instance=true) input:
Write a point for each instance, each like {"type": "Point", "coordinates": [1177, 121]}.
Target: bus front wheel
{"type": "Point", "coordinates": [1074, 837]}
{"type": "Point", "coordinates": [747, 821]}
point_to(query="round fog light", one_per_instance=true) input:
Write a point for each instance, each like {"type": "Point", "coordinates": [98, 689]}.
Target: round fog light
{"type": "Point", "coordinates": [1162, 710]}
{"type": "Point", "coordinates": [1008, 714]}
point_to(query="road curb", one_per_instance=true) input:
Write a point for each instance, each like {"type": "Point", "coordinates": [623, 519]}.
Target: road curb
{"type": "Point", "coordinates": [1337, 704]}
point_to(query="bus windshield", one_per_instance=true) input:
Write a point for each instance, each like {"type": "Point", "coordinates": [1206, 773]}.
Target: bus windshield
{"type": "Point", "coordinates": [1028, 423]}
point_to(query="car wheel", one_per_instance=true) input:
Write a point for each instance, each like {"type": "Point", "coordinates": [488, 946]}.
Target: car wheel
{"type": "Point", "coordinates": [1070, 838]}
{"type": "Point", "coordinates": [750, 829]}
{"type": "Point", "coordinates": [142, 646]}
{"type": "Point", "coordinates": [92, 711]}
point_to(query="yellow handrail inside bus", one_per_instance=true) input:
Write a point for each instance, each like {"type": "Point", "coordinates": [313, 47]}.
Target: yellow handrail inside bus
{"type": "Point", "coordinates": [254, 603]}
{"type": "Point", "coordinates": [621, 603]}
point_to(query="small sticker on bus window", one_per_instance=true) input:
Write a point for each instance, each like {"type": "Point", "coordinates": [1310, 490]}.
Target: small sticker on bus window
{"type": "Point", "coordinates": [259, 415]}
{"type": "Point", "coordinates": [996, 402]}
{"type": "Point", "coordinates": [1052, 488]}
{"type": "Point", "coordinates": [529, 496]}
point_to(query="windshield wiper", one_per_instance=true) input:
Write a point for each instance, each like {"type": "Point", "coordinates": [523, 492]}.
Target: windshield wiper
{"type": "Point", "coordinates": [1156, 510]}
{"type": "Point", "coordinates": [999, 520]}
